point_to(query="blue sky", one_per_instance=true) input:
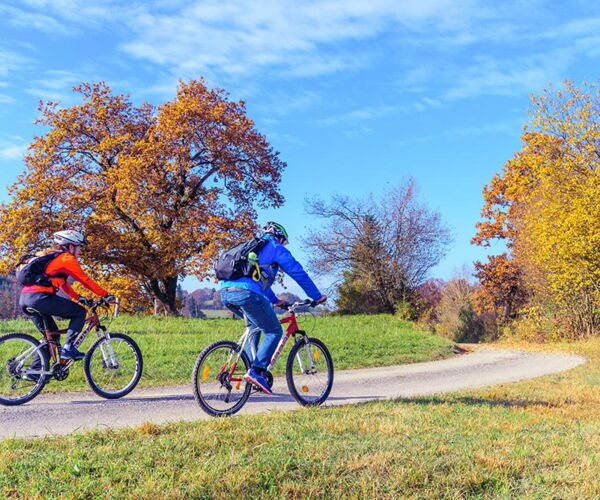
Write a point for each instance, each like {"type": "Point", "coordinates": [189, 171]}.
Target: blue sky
{"type": "Point", "coordinates": [355, 95]}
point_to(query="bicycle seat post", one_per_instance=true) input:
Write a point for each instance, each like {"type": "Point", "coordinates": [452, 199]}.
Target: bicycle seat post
{"type": "Point", "coordinates": [53, 338]}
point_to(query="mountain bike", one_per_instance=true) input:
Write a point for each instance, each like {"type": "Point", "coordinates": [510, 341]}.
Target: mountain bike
{"type": "Point", "coordinates": [218, 374]}
{"type": "Point", "coordinates": [112, 366]}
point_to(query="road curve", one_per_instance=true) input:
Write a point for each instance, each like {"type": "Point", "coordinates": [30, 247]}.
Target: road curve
{"type": "Point", "coordinates": [53, 414]}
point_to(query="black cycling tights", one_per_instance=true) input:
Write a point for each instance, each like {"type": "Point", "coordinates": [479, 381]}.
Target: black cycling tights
{"type": "Point", "coordinates": [50, 305]}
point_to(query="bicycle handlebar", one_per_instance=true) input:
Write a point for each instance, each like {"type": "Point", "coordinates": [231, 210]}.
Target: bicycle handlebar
{"type": "Point", "coordinates": [295, 305]}
{"type": "Point", "coordinates": [100, 302]}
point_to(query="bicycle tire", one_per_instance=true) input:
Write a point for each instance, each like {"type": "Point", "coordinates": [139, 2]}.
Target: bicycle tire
{"type": "Point", "coordinates": [5, 370]}
{"type": "Point", "coordinates": [300, 383]}
{"type": "Point", "coordinates": [209, 395]}
{"type": "Point", "coordinates": [92, 374]}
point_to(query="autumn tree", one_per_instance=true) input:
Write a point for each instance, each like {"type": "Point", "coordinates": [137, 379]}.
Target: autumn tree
{"type": "Point", "coordinates": [158, 190]}
{"type": "Point", "coordinates": [544, 204]}
{"type": "Point", "coordinates": [377, 250]}
{"type": "Point", "coordinates": [455, 314]}
{"type": "Point", "coordinates": [502, 289]}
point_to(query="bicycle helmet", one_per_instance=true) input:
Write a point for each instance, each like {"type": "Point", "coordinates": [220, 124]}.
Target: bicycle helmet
{"type": "Point", "coordinates": [276, 230]}
{"type": "Point", "coordinates": [69, 237]}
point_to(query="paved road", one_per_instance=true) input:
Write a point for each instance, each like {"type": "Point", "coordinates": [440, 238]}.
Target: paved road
{"type": "Point", "coordinates": [72, 412]}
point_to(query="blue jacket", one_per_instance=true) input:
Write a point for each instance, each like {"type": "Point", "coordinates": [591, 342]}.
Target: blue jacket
{"type": "Point", "coordinates": [270, 258]}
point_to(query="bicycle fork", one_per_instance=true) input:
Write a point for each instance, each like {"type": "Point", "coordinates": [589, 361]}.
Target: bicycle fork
{"type": "Point", "coordinates": [108, 353]}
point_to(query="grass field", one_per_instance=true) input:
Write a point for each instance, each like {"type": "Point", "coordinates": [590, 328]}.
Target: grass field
{"type": "Point", "coordinates": [532, 439]}
{"type": "Point", "coordinates": [170, 345]}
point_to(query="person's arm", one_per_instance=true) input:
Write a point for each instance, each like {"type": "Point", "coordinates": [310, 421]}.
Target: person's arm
{"type": "Point", "coordinates": [67, 264]}
{"type": "Point", "coordinates": [271, 295]}
{"type": "Point", "coordinates": [68, 289]}
{"type": "Point", "coordinates": [294, 270]}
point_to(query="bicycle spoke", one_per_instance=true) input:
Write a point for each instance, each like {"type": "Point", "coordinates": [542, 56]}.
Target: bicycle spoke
{"type": "Point", "coordinates": [310, 372]}
{"type": "Point", "coordinates": [219, 386]}
{"type": "Point", "coordinates": [18, 359]}
{"type": "Point", "coordinates": [113, 371]}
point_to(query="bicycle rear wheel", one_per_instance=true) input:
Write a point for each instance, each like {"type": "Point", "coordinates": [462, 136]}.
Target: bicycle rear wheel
{"type": "Point", "coordinates": [113, 369]}
{"type": "Point", "coordinates": [19, 357]}
{"type": "Point", "coordinates": [309, 372]}
{"type": "Point", "coordinates": [217, 378]}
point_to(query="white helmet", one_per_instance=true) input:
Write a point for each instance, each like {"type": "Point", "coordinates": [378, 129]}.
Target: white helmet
{"type": "Point", "coordinates": [69, 237]}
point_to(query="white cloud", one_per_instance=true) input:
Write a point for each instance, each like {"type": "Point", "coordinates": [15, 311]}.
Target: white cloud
{"type": "Point", "coordinates": [361, 114]}
{"type": "Point", "coordinates": [506, 127]}
{"type": "Point", "coordinates": [519, 75]}
{"type": "Point", "coordinates": [280, 103]}
{"type": "Point", "coordinates": [27, 19]}
{"type": "Point", "coordinates": [295, 38]}
{"type": "Point", "coordinates": [358, 132]}
{"type": "Point", "coordinates": [376, 112]}
{"type": "Point", "coordinates": [12, 148]}
{"type": "Point", "coordinates": [10, 61]}
{"type": "Point", "coordinates": [55, 86]}
{"type": "Point", "coordinates": [81, 13]}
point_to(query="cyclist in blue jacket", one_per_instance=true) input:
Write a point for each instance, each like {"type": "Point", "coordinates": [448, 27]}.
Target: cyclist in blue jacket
{"type": "Point", "coordinates": [256, 299]}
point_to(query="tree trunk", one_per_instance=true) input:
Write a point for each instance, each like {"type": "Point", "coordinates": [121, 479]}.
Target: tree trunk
{"type": "Point", "coordinates": [165, 291]}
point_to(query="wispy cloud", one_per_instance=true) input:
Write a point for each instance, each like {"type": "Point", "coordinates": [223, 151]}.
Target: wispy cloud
{"type": "Point", "coordinates": [240, 39]}
{"type": "Point", "coordinates": [80, 14]}
{"type": "Point", "coordinates": [298, 39]}
{"type": "Point", "coordinates": [34, 20]}
{"type": "Point", "coordinates": [490, 76]}
{"type": "Point", "coordinates": [361, 114]}
{"type": "Point", "coordinates": [369, 113]}
{"type": "Point", "coordinates": [10, 61]}
{"type": "Point", "coordinates": [12, 148]}
{"type": "Point", "coordinates": [55, 86]}
{"type": "Point", "coordinates": [6, 99]}
{"type": "Point", "coordinates": [508, 127]}
{"type": "Point", "coordinates": [284, 103]}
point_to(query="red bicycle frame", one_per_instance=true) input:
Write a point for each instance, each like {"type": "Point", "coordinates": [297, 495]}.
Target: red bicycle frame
{"type": "Point", "coordinates": [291, 329]}
{"type": "Point", "coordinates": [92, 320]}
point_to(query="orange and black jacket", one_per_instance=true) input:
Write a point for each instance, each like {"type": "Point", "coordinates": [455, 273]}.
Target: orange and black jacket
{"type": "Point", "coordinates": [61, 268]}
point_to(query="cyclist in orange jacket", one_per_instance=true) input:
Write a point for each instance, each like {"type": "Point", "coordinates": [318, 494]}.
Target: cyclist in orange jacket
{"type": "Point", "coordinates": [45, 300]}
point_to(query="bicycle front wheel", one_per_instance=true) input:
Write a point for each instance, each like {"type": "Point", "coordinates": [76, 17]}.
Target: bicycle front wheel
{"type": "Point", "coordinates": [113, 367]}
{"type": "Point", "coordinates": [309, 372]}
{"type": "Point", "coordinates": [218, 381]}
{"type": "Point", "coordinates": [21, 361]}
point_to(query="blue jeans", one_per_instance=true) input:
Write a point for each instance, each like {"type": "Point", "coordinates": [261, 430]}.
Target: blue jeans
{"type": "Point", "coordinates": [260, 316]}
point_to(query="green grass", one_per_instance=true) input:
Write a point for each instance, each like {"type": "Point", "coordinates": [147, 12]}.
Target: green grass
{"type": "Point", "coordinates": [532, 439]}
{"type": "Point", "coordinates": [170, 346]}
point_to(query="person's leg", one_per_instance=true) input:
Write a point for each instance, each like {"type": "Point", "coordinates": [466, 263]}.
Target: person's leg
{"type": "Point", "coordinates": [230, 299]}
{"type": "Point", "coordinates": [32, 300]}
{"type": "Point", "coordinates": [65, 308]}
{"type": "Point", "coordinates": [258, 310]}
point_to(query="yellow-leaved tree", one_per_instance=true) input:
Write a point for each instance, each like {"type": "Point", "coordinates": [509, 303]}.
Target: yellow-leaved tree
{"type": "Point", "coordinates": [545, 204]}
{"type": "Point", "coordinates": [158, 190]}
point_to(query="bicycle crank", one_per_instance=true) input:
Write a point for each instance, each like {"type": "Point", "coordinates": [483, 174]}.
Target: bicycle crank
{"type": "Point", "coordinates": [60, 372]}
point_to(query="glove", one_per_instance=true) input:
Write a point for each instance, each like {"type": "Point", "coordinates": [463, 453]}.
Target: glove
{"type": "Point", "coordinates": [84, 301]}
{"type": "Point", "coordinates": [110, 298]}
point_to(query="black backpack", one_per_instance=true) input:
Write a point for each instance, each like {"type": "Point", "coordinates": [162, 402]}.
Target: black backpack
{"type": "Point", "coordinates": [233, 263]}
{"type": "Point", "coordinates": [31, 269]}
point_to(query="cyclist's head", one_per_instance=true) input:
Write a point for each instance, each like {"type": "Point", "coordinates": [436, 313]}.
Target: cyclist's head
{"type": "Point", "coordinates": [276, 230]}
{"type": "Point", "coordinates": [69, 240]}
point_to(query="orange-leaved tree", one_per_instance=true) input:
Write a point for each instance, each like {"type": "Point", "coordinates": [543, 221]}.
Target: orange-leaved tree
{"type": "Point", "coordinates": [158, 190]}
{"type": "Point", "coordinates": [544, 204]}
{"type": "Point", "coordinates": [502, 291]}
